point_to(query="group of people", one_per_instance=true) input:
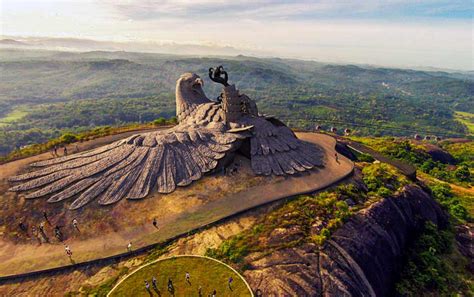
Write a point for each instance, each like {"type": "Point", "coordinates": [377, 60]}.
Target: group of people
{"type": "Point", "coordinates": [171, 289]}
{"type": "Point", "coordinates": [40, 233]}
{"type": "Point", "coordinates": [56, 148]}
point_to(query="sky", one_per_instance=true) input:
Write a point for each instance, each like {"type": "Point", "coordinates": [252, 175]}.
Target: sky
{"type": "Point", "coordinates": [398, 33]}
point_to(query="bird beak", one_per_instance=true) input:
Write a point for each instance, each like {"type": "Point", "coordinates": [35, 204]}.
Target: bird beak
{"type": "Point", "coordinates": [199, 81]}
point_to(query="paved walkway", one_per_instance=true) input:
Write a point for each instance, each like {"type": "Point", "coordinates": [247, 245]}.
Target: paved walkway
{"type": "Point", "coordinates": [405, 168]}
{"type": "Point", "coordinates": [23, 258]}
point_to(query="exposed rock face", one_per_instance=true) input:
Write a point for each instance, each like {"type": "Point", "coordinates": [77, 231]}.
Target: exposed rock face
{"type": "Point", "coordinates": [437, 154]}
{"type": "Point", "coordinates": [344, 150]}
{"type": "Point", "coordinates": [465, 242]}
{"type": "Point", "coordinates": [362, 258]}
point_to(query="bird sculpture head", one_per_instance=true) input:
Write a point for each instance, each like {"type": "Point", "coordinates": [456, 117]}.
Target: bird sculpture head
{"type": "Point", "coordinates": [189, 93]}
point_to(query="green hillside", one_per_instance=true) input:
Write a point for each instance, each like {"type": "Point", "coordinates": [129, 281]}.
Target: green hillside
{"type": "Point", "coordinates": [46, 93]}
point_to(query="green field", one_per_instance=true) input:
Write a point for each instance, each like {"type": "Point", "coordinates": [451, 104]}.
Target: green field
{"type": "Point", "coordinates": [15, 115]}
{"type": "Point", "coordinates": [207, 273]}
{"type": "Point", "coordinates": [467, 119]}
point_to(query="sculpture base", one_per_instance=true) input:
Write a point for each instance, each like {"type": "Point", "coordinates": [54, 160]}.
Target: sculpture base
{"type": "Point", "coordinates": [106, 231]}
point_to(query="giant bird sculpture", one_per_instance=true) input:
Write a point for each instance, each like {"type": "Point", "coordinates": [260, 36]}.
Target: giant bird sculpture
{"type": "Point", "coordinates": [207, 136]}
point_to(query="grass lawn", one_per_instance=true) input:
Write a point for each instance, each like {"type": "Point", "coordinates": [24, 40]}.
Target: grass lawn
{"type": "Point", "coordinates": [209, 274]}
{"type": "Point", "coordinates": [467, 119]}
{"type": "Point", "coordinates": [14, 115]}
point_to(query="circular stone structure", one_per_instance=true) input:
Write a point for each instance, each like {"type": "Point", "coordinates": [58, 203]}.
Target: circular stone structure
{"type": "Point", "coordinates": [207, 273]}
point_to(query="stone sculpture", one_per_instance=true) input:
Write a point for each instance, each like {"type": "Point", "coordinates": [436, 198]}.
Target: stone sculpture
{"type": "Point", "coordinates": [207, 136]}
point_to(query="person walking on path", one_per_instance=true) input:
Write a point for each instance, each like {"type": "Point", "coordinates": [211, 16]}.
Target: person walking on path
{"type": "Point", "coordinates": [170, 285]}
{"type": "Point", "coordinates": [129, 246]}
{"type": "Point", "coordinates": [75, 224]}
{"type": "Point", "coordinates": [43, 234]}
{"type": "Point", "coordinates": [65, 150]}
{"type": "Point", "coordinates": [68, 251]}
{"type": "Point", "coordinates": [230, 282]}
{"type": "Point", "coordinates": [45, 216]}
{"type": "Point", "coordinates": [23, 227]}
{"type": "Point", "coordinates": [187, 276]}
{"type": "Point", "coordinates": [55, 148]}
{"type": "Point", "coordinates": [155, 223]}
{"type": "Point", "coordinates": [153, 282]}
{"type": "Point", "coordinates": [147, 286]}
{"type": "Point", "coordinates": [57, 233]}
{"type": "Point", "coordinates": [337, 157]}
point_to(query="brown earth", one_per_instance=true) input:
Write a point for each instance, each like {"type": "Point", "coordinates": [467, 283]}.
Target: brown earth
{"type": "Point", "coordinates": [105, 231]}
{"type": "Point", "coordinates": [76, 280]}
{"type": "Point", "coordinates": [362, 258]}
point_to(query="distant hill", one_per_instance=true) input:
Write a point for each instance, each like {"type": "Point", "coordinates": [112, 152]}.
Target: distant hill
{"type": "Point", "coordinates": [12, 42]}
{"type": "Point", "coordinates": [56, 91]}
{"type": "Point", "coordinates": [82, 44]}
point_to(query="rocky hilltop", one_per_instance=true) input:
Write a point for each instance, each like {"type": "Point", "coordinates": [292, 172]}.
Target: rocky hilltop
{"type": "Point", "coordinates": [362, 258]}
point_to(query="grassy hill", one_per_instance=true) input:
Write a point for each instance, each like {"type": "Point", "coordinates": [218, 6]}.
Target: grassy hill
{"type": "Point", "coordinates": [46, 93]}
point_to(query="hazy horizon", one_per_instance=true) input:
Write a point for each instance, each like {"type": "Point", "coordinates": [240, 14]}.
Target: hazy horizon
{"type": "Point", "coordinates": [395, 33]}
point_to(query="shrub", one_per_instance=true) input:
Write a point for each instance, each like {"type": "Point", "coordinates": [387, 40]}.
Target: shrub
{"type": "Point", "coordinates": [430, 268]}
{"type": "Point", "coordinates": [68, 138]}
{"type": "Point", "coordinates": [382, 179]}
{"type": "Point", "coordinates": [159, 122]}
{"type": "Point", "coordinates": [452, 203]}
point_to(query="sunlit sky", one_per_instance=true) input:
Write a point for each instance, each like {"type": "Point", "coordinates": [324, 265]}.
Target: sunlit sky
{"type": "Point", "coordinates": [400, 33]}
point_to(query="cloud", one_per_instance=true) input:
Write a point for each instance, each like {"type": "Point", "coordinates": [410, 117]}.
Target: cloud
{"type": "Point", "coordinates": [280, 9]}
{"type": "Point", "coordinates": [395, 32]}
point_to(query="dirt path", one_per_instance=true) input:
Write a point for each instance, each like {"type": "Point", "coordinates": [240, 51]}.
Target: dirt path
{"type": "Point", "coordinates": [109, 229]}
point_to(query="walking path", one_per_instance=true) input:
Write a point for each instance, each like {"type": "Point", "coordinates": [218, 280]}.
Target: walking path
{"type": "Point", "coordinates": [405, 168]}
{"type": "Point", "coordinates": [25, 258]}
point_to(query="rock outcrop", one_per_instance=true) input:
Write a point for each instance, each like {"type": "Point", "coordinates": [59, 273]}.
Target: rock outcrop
{"type": "Point", "coordinates": [437, 154]}
{"type": "Point", "coordinates": [362, 258]}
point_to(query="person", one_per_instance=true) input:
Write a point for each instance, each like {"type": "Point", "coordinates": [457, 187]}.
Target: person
{"type": "Point", "coordinates": [65, 150]}
{"type": "Point", "coordinates": [147, 286]}
{"type": "Point", "coordinates": [57, 233]}
{"type": "Point", "coordinates": [45, 215]}
{"type": "Point", "coordinates": [22, 227]}
{"type": "Point", "coordinates": [188, 276]}
{"type": "Point", "coordinates": [337, 157]}
{"type": "Point", "coordinates": [170, 285]}
{"type": "Point", "coordinates": [75, 224]}
{"type": "Point", "coordinates": [230, 282]}
{"type": "Point", "coordinates": [129, 246]}
{"type": "Point", "coordinates": [214, 293]}
{"type": "Point", "coordinates": [55, 150]}
{"type": "Point", "coordinates": [200, 291]}
{"type": "Point", "coordinates": [68, 251]}
{"type": "Point", "coordinates": [43, 234]}
{"type": "Point", "coordinates": [153, 282]}
{"type": "Point", "coordinates": [155, 223]}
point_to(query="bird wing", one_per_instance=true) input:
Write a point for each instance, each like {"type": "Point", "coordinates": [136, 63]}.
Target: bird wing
{"type": "Point", "coordinates": [274, 149]}
{"type": "Point", "coordinates": [130, 168]}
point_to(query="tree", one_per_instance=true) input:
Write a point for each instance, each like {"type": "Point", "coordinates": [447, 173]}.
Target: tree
{"type": "Point", "coordinates": [462, 173]}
